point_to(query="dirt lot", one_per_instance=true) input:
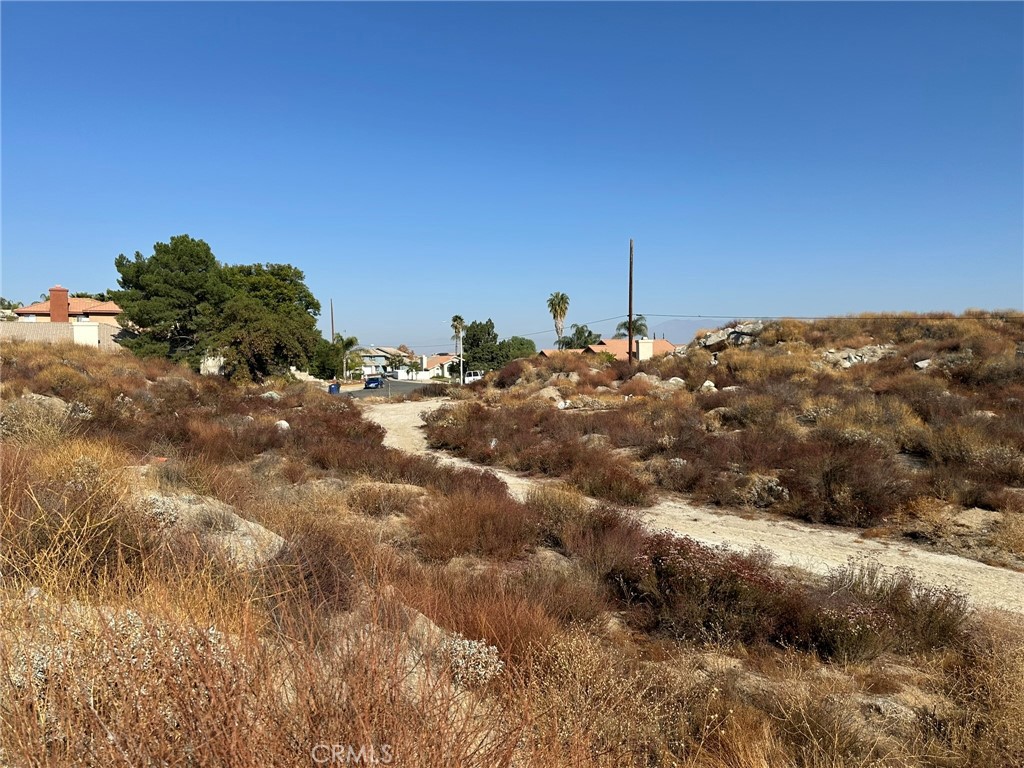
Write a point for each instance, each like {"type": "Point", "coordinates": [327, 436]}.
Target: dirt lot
{"type": "Point", "coordinates": [811, 548]}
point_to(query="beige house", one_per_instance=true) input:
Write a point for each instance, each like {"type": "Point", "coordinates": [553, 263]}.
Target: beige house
{"type": "Point", "coordinates": [62, 309]}
{"type": "Point", "coordinates": [64, 320]}
{"type": "Point", "coordinates": [643, 349]}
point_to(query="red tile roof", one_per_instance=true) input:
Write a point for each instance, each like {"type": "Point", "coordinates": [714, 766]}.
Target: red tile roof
{"type": "Point", "coordinates": [435, 360]}
{"type": "Point", "coordinates": [550, 352]}
{"type": "Point", "coordinates": [620, 347]}
{"type": "Point", "coordinates": [76, 306]}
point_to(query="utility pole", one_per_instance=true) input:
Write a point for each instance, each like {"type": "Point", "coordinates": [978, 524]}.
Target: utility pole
{"type": "Point", "coordinates": [462, 376]}
{"type": "Point", "coordinates": [630, 326]}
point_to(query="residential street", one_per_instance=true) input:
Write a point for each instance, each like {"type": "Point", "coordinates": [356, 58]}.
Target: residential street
{"type": "Point", "coordinates": [391, 387]}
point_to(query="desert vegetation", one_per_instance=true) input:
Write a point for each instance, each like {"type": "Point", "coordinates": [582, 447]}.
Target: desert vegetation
{"type": "Point", "coordinates": [894, 424]}
{"type": "Point", "coordinates": [195, 572]}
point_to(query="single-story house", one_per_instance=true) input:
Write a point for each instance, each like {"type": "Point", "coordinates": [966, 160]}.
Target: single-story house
{"type": "Point", "coordinates": [644, 349]}
{"type": "Point", "coordinates": [64, 320]}
{"type": "Point", "coordinates": [60, 308]}
{"type": "Point", "coordinates": [437, 365]}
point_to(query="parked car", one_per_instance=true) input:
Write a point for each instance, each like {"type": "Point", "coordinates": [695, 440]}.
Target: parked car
{"type": "Point", "coordinates": [472, 376]}
{"type": "Point", "coordinates": [374, 382]}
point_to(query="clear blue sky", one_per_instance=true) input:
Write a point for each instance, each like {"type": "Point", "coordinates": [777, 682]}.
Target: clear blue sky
{"type": "Point", "coordinates": [422, 160]}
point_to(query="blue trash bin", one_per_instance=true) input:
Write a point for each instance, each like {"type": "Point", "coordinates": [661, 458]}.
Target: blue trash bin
{"type": "Point", "coordinates": [334, 389]}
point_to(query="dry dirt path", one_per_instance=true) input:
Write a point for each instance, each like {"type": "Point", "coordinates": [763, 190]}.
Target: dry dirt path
{"type": "Point", "coordinates": [811, 548]}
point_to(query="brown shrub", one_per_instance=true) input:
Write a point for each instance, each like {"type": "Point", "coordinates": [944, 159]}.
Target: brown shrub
{"type": "Point", "coordinates": [846, 484]}
{"type": "Point", "coordinates": [637, 387]}
{"type": "Point", "coordinates": [985, 682]}
{"type": "Point", "coordinates": [555, 506]}
{"type": "Point", "coordinates": [315, 571]}
{"type": "Point", "coordinates": [746, 366]}
{"type": "Point", "coordinates": [604, 539]}
{"type": "Point", "coordinates": [612, 478]}
{"type": "Point", "coordinates": [512, 373]}
{"type": "Point", "coordinates": [486, 525]}
{"type": "Point", "coordinates": [484, 605]}
{"type": "Point", "coordinates": [68, 514]}
{"type": "Point", "coordinates": [384, 499]}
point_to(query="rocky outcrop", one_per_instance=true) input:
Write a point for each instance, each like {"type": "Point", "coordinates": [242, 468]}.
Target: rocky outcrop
{"type": "Point", "coordinates": [847, 357]}
{"type": "Point", "coordinates": [562, 378]}
{"type": "Point", "coordinates": [32, 413]}
{"type": "Point", "coordinates": [739, 335]}
{"type": "Point", "coordinates": [762, 491]}
{"type": "Point", "coordinates": [219, 530]}
{"type": "Point", "coordinates": [548, 394]}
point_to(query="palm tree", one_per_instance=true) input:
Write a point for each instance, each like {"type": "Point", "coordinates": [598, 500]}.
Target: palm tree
{"type": "Point", "coordinates": [639, 328]}
{"type": "Point", "coordinates": [558, 306]}
{"type": "Point", "coordinates": [458, 325]}
{"type": "Point", "coordinates": [580, 338]}
{"type": "Point", "coordinates": [345, 344]}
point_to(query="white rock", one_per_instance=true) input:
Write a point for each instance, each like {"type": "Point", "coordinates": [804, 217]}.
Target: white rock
{"type": "Point", "coordinates": [708, 386]}
{"type": "Point", "coordinates": [217, 527]}
{"type": "Point", "coordinates": [548, 393]}
{"type": "Point", "coordinates": [282, 425]}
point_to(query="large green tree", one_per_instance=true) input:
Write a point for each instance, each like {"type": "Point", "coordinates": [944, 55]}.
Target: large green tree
{"type": "Point", "coordinates": [183, 304]}
{"type": "Point", "coordinates": [171, 298]}
{"type": "Point", "coordinates": [515, 347]}
{"type": "Point", "coordinates": [485, 353]}
{"type": "Point", "coordinates": [480, 346]}
{"type": "Point", "coordinates": [269, 321]}
{"type": "Point", "coordinates": [257, 341]}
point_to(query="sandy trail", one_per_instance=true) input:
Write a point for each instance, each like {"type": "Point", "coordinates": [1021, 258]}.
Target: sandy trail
{"type": "Point", "coordinates": [811, 548]}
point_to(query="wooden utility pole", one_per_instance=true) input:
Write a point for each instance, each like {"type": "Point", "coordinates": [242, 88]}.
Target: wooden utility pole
{"type": "Point", "coordinates": [630, 320]}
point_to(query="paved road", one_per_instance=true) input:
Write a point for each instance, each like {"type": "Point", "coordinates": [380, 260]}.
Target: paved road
{"type": "Point", "coordinates": [396, 388]}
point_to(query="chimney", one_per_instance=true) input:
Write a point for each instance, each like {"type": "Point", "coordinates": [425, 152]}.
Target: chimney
{"type": "Point", "coordinates": [644, 348]}
{"type": "Point", "coordinates": [58, 304]}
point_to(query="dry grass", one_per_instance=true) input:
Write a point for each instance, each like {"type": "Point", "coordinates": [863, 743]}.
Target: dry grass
{"type": "Point", "coordinates": [605, 645]}
{"type": "Point", "coordinates": [472, 524]}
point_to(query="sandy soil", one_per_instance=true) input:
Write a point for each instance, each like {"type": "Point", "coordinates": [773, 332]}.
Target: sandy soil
{"type": "Point", "coordinates": [812, 548]}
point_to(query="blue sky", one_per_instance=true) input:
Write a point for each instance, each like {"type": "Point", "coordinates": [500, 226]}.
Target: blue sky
{"type": "Point", "coordinates": [421, 160]}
